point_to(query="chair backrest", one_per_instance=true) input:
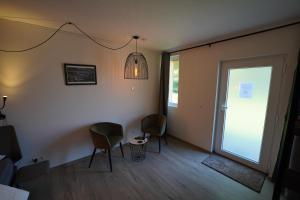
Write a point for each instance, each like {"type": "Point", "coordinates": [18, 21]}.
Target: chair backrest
{"type": "Point", "coordinates": [100, 132]}
{"type": "Point", "coordinates": [9, 144]}
{"type": "Point", "coordinates": [154, 121]}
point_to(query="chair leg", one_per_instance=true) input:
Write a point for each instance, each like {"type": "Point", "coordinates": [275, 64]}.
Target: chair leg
{"type": "Point", "coordinates": [121, 149]}
{"type": "Point", "coordinates": [166, 141]}
{"type": "Point", "coordinates": [109, 156]}
{"type": "Point", "coordinates": [92, 157]}
{"type": "Point", "coordinates": [159, 144]}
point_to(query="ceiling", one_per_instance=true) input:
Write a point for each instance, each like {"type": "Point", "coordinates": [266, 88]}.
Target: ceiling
{"type": "Point", "coordinates": [162, 24]}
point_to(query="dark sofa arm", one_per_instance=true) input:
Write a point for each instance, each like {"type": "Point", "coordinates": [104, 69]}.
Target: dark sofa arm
{"type": "Point", "coordinates": [30, 172]}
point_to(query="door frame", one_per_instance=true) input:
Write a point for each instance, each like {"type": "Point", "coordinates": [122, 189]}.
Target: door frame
{"type": "Point", "coordinates": [278, 66]}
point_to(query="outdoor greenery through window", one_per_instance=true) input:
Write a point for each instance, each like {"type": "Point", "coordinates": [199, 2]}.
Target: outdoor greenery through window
{"type": "Point", "coordinates": [174, 80]}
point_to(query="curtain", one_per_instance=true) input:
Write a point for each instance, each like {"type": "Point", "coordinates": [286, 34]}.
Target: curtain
{"type": "Point", "coordinates": [164, 87]}
{"type": "Point", "coordinates": [164, 84]}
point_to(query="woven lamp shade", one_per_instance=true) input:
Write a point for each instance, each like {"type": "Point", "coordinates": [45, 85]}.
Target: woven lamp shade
{"type": "Point", "coordinates": [136, 66]}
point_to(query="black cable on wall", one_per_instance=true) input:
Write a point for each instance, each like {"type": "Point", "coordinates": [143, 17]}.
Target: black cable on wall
{"type": "Point", "coordinates": [57, 30]}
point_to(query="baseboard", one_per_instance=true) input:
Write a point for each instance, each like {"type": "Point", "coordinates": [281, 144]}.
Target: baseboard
{"type": "Point", "coordinates": [125, 144]}
{"type": "Point", "coordinates": [195, 146]}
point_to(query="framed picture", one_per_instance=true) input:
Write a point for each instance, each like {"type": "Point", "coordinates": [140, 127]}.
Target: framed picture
{"type": "Point", "coordinates": [79, 74]}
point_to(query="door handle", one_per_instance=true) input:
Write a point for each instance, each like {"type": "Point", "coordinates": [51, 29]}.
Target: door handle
{"type": "Point", "coordinates": [224, 107]}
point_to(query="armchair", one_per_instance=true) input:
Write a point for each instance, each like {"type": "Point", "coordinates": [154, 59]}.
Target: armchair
{"type": "Point", "coordinates": [155, 125]}
{"type": "Point", "coordinates": [30, 177]}
{"type": "Point", "coordinates": [106, 135]}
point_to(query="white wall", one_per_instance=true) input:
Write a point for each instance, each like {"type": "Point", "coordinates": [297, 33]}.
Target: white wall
{"type": "Point", "coordinates": [51, 118]}
{"type": "Point", "coordinates": [193, 119]}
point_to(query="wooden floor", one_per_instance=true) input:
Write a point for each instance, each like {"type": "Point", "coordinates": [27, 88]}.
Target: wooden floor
{"type": "Point", "coordinates": [175, 173]}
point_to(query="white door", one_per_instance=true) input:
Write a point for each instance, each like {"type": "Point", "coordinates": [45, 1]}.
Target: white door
{"type": "Point", "coordinates": [248, 98]}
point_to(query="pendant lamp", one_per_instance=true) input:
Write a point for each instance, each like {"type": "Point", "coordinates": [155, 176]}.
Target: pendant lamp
{"type": "Point", "coordinates": [136, 66]}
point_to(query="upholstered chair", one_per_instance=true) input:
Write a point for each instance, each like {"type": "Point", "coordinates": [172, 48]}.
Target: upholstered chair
{"type": "Point", "coordinates": [105, 136]}
{"type": "Point", "coordinates": [155, 125]}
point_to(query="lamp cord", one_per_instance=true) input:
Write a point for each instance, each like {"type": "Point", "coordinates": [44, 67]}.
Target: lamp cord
{"type": "Point", "coordinates": [92, 39]}
{"type": "Point", "coordinates": [136, 45]}
{"type": "Point", "coordinates": [57, 30]}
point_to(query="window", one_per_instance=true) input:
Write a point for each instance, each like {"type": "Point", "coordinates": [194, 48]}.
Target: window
{"type": "Point", "coordinates": [173, 80]}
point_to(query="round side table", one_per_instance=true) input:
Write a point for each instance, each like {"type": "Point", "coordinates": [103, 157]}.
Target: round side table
{"type": "Point", "coordinates": [138, 148]}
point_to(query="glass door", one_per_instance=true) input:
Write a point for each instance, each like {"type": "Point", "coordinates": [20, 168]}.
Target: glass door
{"type": "Point", "coordinates": [247, 100]}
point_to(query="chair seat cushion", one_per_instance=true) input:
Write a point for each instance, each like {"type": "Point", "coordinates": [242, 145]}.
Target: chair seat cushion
{"type": "Point", "coordinates": [153, 131]}
{"type": "Point", "coordinates": [114, 140]}
{"type": "Point", "coordinates": [32, 171]}
{"type": "Point", "coordinates": [40, 188]}
{"type": "Point", "coordinates": [6, 171]}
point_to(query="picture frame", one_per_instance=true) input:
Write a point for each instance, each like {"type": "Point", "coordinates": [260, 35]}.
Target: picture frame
{"type": "Point", "coordinates": [80, 74]}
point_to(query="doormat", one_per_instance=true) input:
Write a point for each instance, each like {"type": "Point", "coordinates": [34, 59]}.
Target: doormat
{"type": "Point", "coordinates": [248, 177]}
